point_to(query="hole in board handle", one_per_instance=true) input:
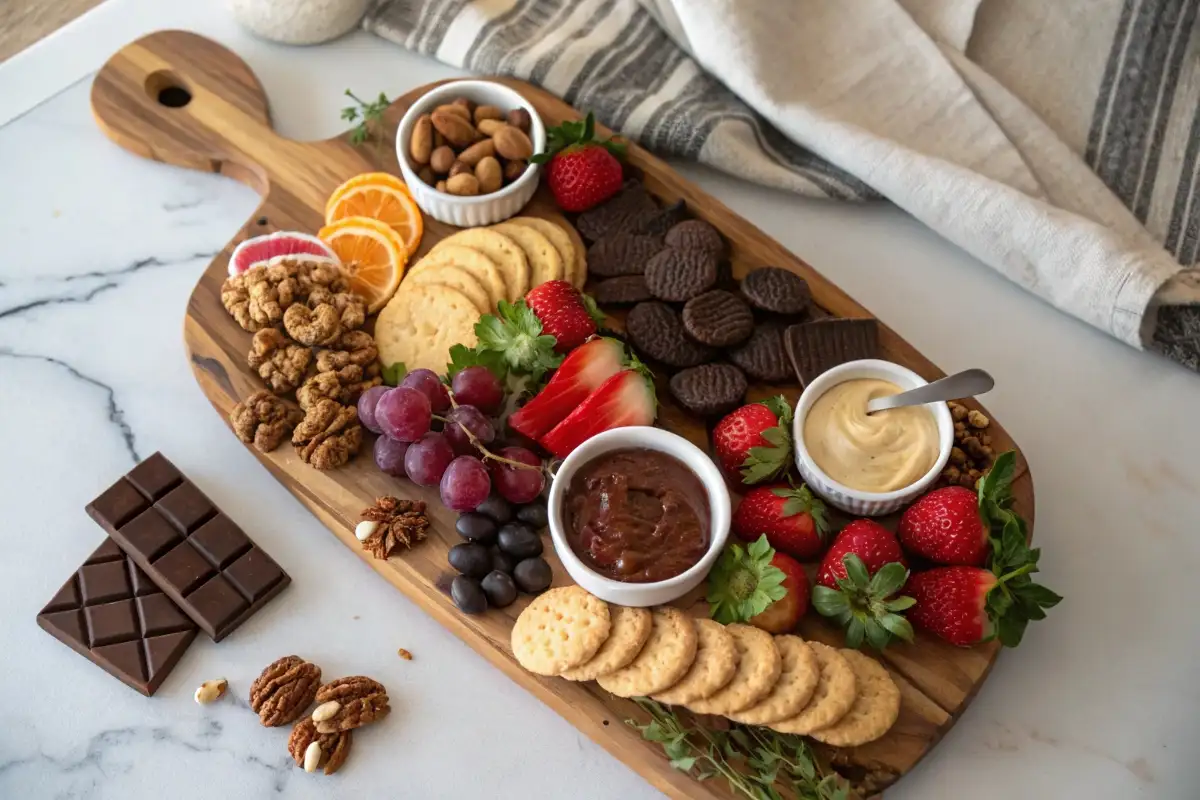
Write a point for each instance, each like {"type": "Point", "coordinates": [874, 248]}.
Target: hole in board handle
{"type": "Point", "coordinates": [165, 88]}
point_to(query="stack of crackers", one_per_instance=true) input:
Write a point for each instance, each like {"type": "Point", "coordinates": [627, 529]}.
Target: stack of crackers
{"type": "Point", "coordinates": [840, 697]}
{"type": "Point", "coordinates": [464, 277]}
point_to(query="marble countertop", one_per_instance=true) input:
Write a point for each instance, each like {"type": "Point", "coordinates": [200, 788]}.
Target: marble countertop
{"type": "Point", "coordinates": [101, 250]}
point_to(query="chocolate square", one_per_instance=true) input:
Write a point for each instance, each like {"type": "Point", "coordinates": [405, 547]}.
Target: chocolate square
{"type": "Point", "coordinates": [121, 503]}
{"type": "Point", "coordinates": [184, 568]}
{"type": "Point", "coordinates": [111, 622]}
{"type": "Point", "coordinates": [219, 601]}
{"type": "Point", "coordinates": [103, 583]}
{"type": "Point", "coordinates": [255, 574]}
{"type": "Point", "coordinates": [220, 540]}
{"type": "Point", "coordinates": [150, 533]}
{"type": "Point", "coordinates": [155, 476]}
{"type": "Point", "coordinates": [186, 506]}
{"type": "Point", "coordinates": [158, 615]}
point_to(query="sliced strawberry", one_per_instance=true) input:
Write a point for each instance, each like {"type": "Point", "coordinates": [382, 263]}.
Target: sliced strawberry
{"type": "Point", "coordinates": [626, 398]}
{"type": "Point", "coordinates": [583, 371]}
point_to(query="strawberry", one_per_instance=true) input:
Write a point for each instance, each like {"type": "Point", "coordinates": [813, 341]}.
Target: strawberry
{"type": "Point", "coordinates": [626, 398]}
{"type": "Point", "coordinates": [588, 366]}
{"type": "Point", "coordinates": [951, 602]}
{"type": "Point", "coordinates": [565, 314]}
{"type": "Point", "coordinates": [945, 527]}
{"type": "Point", "coordinates": [754, 584]}
{"type": "Point", "coordinates": [582, 171]}
{"type": "Point", "coordinates": [792, 519]}
{"type": "Point", "coordinates": [868, 540]}
{"type": "Point", "coordinates": [857, 585]}
{"type": "Point", "coordinates": [754, 442]}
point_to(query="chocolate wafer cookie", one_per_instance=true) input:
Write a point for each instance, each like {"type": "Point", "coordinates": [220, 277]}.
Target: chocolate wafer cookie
{"type": "Point", "coordinates": [696, 234]}
{"type": "Point", "coordinates": [627, 210]}
{"type": "Point", "coordinates": [777, 290]}
{"type": "Point", "coordinates": [679, 275]}
{"type": "Point", "coordinates": [814, 347]}
{"type": "Point", "coordinates": [625, 290]}
{"type": "Point", "coordinates": [622, 253]}
{"type": "Point", "coordinates": [657, 332]}
{"type": "Point", "coordinates": [763, 355]}
{"type": "Point", "coordinates": [664, 220]}
{"type": "Point", "coordinates": [709, 390]}
{"type": "Point", "coordinates": [718, 318]}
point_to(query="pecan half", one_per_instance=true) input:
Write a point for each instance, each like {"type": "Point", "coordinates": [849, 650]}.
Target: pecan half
{"type": "Point", "coordinates": [363, 701]}
{"type": "Point", "coordinates": [335, 747]}
{"type": "Point", "coordinates": [397, 523]}
{"type": "Point", "coordinates": [264, 420]}
{"type": "Point", "coordinates": [279, 362]}
{"type": "Point", "coordinates": [284, 690]}
{"type": "Point", "coordinates": [328, 435]}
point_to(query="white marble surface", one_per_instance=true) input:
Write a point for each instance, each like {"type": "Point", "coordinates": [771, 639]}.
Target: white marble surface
{"type": "Point", "coordinates": [100, 251]}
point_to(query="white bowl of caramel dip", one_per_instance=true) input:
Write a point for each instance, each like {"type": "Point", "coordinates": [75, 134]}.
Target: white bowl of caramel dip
{"type": "Point", "coordinates": [869, 464]}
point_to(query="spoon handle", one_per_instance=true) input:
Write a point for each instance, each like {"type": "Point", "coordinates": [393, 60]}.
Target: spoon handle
{"type": "Point", "coordinates": [967, 383]}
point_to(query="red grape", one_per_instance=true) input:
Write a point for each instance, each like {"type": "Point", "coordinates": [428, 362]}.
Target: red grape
{"type": "Point", "coordinates": [465, 484]}
{"type": "Point", "coordinates": [429, 384]}
{"type": "Point", "coordinates": [389, 456]}
{"type": "Point", "coordinates": [478, 386]}
{"type": "Point", "coordinates": [403, 414]}
{"type": "Point", "coordinates": [476, 423]}
{"type": "Point", "coordinates": [427, 459]}
{"type": "Point", "coordinates": [366, 407]}
{"type": "Point", "coordinates": [517, 485]}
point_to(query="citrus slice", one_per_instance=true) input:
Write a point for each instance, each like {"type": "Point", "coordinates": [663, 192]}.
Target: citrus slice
{"type": "Point", "coordinates": [383, 200]}
{"type": "Point", "coordinates": [281, 244]}
{"type": "Point", "coordinates": [380, 178]}
{"type": "Point", "coordinates": [372, 255]}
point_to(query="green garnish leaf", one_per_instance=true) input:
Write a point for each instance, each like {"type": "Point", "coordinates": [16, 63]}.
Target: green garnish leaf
{"type": "Point", "coordinates": [516, 333]}
{"type": "Point", "coordinates": [371, 115]}
{"type": "Point", "coordinates": [462, 357]}
{"type": "Point", "coordinates": [744, 582]}
{"type": "Point", "coordinates": [394, 373]}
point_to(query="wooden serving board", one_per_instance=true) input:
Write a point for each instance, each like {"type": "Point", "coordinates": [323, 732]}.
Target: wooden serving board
{"type": "Point", "coordinates": [220, 123]}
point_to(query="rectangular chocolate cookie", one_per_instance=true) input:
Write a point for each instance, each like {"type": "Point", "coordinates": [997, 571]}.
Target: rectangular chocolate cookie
{"type": "Point", "coordinates": [814, 347]}
{"type": "Point", "coordinates": [198, 556]}
{"type": "Point", "coordinates": [111, 614]}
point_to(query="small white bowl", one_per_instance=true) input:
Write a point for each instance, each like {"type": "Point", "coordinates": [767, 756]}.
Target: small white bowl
{"type": "Point", "coordinates": [641, 594]}
{"type": "Point", "coordinates": [854, 501]}
{"type": "Point", "coordinates": [484, 209]}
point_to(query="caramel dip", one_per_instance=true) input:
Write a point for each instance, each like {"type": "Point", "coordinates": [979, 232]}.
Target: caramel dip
{"type": "Point", "coordinates": [880, 452]}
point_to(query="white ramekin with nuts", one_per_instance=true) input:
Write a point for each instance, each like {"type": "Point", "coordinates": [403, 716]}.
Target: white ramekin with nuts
{"type": "Point", "coordinates": [464, 152]}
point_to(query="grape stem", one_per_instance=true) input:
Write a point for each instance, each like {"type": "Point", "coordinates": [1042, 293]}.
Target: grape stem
{"type": "Point", "coordinates": [487, 454]}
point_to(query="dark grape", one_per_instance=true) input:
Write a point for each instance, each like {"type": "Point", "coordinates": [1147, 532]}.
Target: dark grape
{"type": "Point", "coordinates": [465, 484]}
{"type": "Point", "coordinates": [478, 386]}
{"type": "Point", "coordinates": [429, 384]}
{"type": "Point", "coordinates": [497, 508]}
{"type": "Point", "coordinates": [516, 484]}
{"type": "Point", "coordinates": [533, 575]}
{"type": "Point", "coordinates": [502, 560]}
{"type": "Point", "coordinates": [471, 559]}
{"type": "Point", "coordinates": [389, 456]}
{"type": "Point", "coordinates": [534, 515]}
{"type": "Point", "coordinates": [519, 540]}
{"type": "Point", "coordinates": [427, 459]}
{"type": "Point", "coordinates": [468, 595]}
{"type": "Point", "coordinates": [476, 527]}
{"type": "Point", "coordinates": [476, 422]}
{"type": "Point", "coordinates": [366, 407]}
{"type": "Point", "coordinates": [499, 588]}
{"type": "Point", "coordinates": [403, 414]}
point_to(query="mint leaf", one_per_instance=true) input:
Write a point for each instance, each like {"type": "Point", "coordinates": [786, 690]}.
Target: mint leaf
{"type": "Point", "coordinates": [394, 373]}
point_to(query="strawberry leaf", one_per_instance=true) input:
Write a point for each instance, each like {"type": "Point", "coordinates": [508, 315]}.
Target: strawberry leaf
{"type": "Point", "coordinates": [394, 373]}
{"type": "Point", "coordinates": [743, 583]}
{"type": "Point", "coordinates": [515, 332]}
{"type": "Point", "coordinates": [575, 134]}
{"type": "Point", "coordinates": [801, 500]}
{"type": "Point", "coordinates": [768, 462]}
{"type": "Point", "coordinates": [589, 305]}
{"type": "Point", "coordinates": [866, 606]}
{"type": "Point", "coordinates": [780, 407]}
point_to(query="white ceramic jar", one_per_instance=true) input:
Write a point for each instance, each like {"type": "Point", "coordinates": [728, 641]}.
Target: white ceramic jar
{"type": "Point", "coordinates": [298, 21]}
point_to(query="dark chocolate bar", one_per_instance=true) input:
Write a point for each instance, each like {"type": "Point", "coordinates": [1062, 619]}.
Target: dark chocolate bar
{"type": "Point", "coordinates": [814, 347]}
{"type": "Point", "coordinates": [198, 556]}
{"type": "Point", "coordinates": [111, 614]}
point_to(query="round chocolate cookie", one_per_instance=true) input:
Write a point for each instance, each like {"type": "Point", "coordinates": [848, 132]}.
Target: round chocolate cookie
{"type": "Point", "coordinates": [657, 332]}
{"type": "Point", "coordinates": [679, 275]}
{"type": "Point", "coordinates": [777, 290]}
{"type": "Point", "coordinates": [709, 390]}
{"type": "Point", "coordinates": [622, 254]}
{"type": "Point", "coordinates": [718, 318]}
{"type": "Point", "coordinates": [696, 234]}
{"type": "Point", "coordinates": [624, 290]}
{"type": "Point", "coordinates": [763, 356]}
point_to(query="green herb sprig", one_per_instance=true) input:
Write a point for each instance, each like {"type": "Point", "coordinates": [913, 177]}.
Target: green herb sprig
{"type": "Point", "coordinates": [368, 115]}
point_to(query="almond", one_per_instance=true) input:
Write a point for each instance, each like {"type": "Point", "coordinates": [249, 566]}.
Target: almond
{"type": "Point", "coordinates": [463, 102]}
{"type": "Point", "coordinates": [457, 130]}
{"type": "Point", "coordinates": [514, 170]}
{"type": "Point", "coordinates": [519, 118]}
{"type": "Point", "coordinates": [440, 186]}
{"type": "Point", "coordinates": [458, 168]}
{"type": "Point", "coordinates": [441, 159]}
{"type": "Point", "coordinates": [481, 149]}
{"type": "Point", "coordinates": [490, 177]}
{"type": "Point", "coordinates": [512, 143]}
{"type": "Point", "coordinates": [421, 144]}
{"type": "Point", "coordinates": [464, 184]}
{"type": "Point", "coordinates": [488, 127]}
{"type": "Point", "coordinates": [487, 112]}
{"type": "Point", "coordinates": [454, 108]}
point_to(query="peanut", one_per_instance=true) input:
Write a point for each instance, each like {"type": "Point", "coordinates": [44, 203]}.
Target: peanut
{"type": "Point", "coordinates": [489, 175]}
{"type": "Point", "coordinates": [478, 151]}
{"type": "Point", "coordinates": [512, 143]}
{"type": "Point", "coordinates": [441, 159]}
{"type": "Point", "coordinates": [464, 184]}
{"type": "Point", "coordinates": [421, 144]}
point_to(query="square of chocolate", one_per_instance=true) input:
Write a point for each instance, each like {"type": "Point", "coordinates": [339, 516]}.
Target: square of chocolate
{"type": "Point", "coordinates": [155, 476]}
{"type": "Point", "coordinates": [104, 582]}
{"type": "Point", "coordinates": [220, 540]}
{"type": "Point", "coordinates": [111, 622]}
{"type": "Point", "coordinates": [255, 574]}
{"type": "Point", "coordinates": [217, 600]}
{"type": "Point", "coordinates": [119, 504]}
{"type": "Point", "coordinates": [158, 615]}
{"type": "Point", "coordinates": [183, 568]}
{"type": "Point", "coordinates": [186, 506]}
{"type": "Point", "coordinates": [150, 533]}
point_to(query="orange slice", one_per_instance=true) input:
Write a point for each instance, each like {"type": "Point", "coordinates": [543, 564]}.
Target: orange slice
{"type": "Point", "coordinates": [381, 178]}
{"type": "Point", "coordinates": [385, 199]}
{"type": "Point", "coordinates": [373, 256]}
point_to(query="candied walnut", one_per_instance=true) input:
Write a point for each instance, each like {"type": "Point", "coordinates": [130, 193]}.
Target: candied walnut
{"type": "Point", "coordinates": [279, 362]}
{"type": "Point", "coordinates": [284, 690]}
{"type": "Point", "coordinates": [361, 701]}
{"type": "Point", "coordinates": [328, 435]}
{"type": "Point", "coordinates": [272, 289]}
{"type": "Point", "coordinates": [343, 385]}
{"type": "Point", "coordinates": [235, 297]}
{"type": "Point", "coordinates": [352, 347]}
{"type": "Point", "coordinates": [390, 524]}
{"type": "Point", "coordinates": [262, 419]}
{"type": "Point", "coordinates": [313, 326]}
{"type": "Point", "coordinates": [957, 457]}
{"type": "Point", "coordinates": [335, 747]}
{"type": "Point", "coordinates": [351, 308]}
{"type": "Point", "coordinates": [314, 275]}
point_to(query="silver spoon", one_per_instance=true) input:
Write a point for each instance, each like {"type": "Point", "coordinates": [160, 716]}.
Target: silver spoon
{"type": "Point", "coordinates": [967, 383]}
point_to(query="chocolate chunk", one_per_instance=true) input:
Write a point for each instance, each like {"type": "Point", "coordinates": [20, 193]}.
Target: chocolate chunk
{"type": "Point", "coordinates": [680, 275]}
{"type": "Point", "coordinates": [664, 220]}
{"type": "Point", "coordinates": [696, 234]}
{"type": "Point", "coordinates": [622, 254]}
{"type": "Point", "coordinates": [657, 332]}
{"type": "Point", "coordinates": [718, 318]}
{"type": "Point", "coordinates": [776, 290]}
{"type": "Point", "coordinates": [763, 356]}
{"type": "Point", "coordinates": [709, 390]}
{"type": "Point", "coordinates": [625, 290]}
{"type": "Point", "coordinates": [814, 347]}
{"type": "Point", "coordinates": [111, 614]}
{"type": "Point", "coordinates": [197, 556]}
{"type": "Point", "coordinates": [627, 210]}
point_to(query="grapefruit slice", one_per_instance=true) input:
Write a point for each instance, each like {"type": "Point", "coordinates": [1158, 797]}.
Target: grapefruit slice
{"type": "Point", "coordinates": [281, 244]}
{"type": "Point", "coordinates": [372, 255]}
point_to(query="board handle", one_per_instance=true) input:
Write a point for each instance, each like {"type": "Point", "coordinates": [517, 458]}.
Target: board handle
{"type": "Point", "coordinates": [182, 99]}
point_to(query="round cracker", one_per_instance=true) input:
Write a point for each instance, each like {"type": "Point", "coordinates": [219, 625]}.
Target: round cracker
{"type": "Point", "coordinates": [508, 255]}
{"type": "Point", "coordinates": [714, 667]}
{"type": "Point", "coordinates": [630, 630]}
{"type": "Point", "coordinates": [757, 673]}
{"type": "Point", "coordinates": [832, 699]}
{"type": "Point", "coordinates": [574, 259]}
{"type": "Point", "coordinates": [797, 681]}
{"type": "Point", "coordinates": [474, 262]}
{"type": "Point", "coordinates": [544, 261]}
{"type": "Point", "coordinates": [421, 322]}
{"type": "Point", "coordinates": [560, 629]}
{"type": "Point", "coordinates": [876, 705]}
{"type": "Point", "coordinates": [456, 278]}
{"type": "Point", "coordinates": [663, 660]}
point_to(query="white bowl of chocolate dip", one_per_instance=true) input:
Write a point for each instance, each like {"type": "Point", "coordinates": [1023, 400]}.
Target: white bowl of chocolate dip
{"type": "Point", "coordinates": [638, 515]}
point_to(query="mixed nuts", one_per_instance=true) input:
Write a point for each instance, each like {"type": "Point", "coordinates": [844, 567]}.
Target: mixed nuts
{"type": "Point", "coordinates": [466, 149]}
